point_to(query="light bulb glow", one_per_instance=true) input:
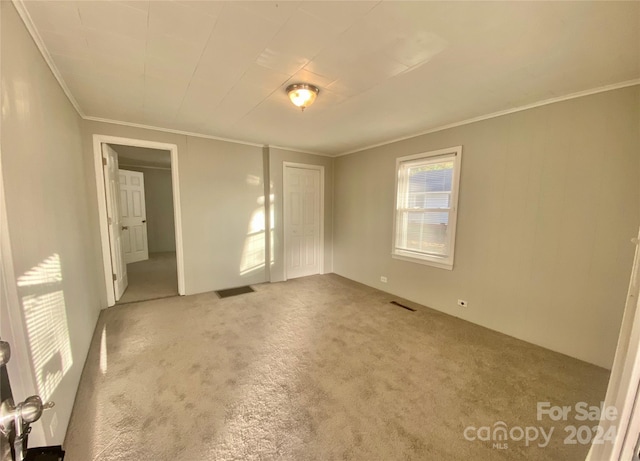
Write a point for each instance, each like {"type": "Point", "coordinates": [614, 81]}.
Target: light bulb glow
{"type": "Point", "coordinates": [302, 95]}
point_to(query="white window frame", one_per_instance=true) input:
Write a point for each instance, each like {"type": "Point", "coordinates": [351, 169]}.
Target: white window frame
{"type": "Point", "coordinates": [419, 257]}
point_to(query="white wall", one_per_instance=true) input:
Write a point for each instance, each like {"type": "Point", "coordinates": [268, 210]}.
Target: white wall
{"type": "Point", "coordinates": [221, 184]}
{"type": "Point", "coordinates": [549, 199]}
{"type": "Point", "coordinates": [277, 157]}
{"type": "Point", "coordinates": [47, 205]}
{"type": "Point", "coordinates": [158, 195]}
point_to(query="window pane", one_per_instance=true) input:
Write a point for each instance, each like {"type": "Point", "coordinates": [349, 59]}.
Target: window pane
{"type": "Point", "coordinates": [426, 203]}
{"type": "Point", "coordinates": [430, 200]}
{"type": "Point", "coordinates": [430, 177]}
{"type": "Point", "coordinates": [424, 231]}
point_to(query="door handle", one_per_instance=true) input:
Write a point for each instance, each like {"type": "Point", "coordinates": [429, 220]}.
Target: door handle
{"type": "Point", "coordinates": [125, 227]}
{"type": "Point", "coordinates": [15, 420]}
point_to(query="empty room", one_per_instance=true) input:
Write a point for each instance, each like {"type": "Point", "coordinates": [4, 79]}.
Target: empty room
{"type": "Point", "coordinates": [319, 230]}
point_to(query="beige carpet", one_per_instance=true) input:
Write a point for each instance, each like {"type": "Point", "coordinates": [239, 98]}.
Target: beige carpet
{"type": "Point", "coordinates": [319, 368]}
{"type": "Point", "coordinates": [157, 277]}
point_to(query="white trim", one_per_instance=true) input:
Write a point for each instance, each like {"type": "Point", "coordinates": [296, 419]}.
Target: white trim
{"type": "Point", "coordinates": [102, 217]}
{"type": "Point", "coordinates": [632, 436]}
{"type": "Point", "coordinates": [196, 135]}
{"type": "Point", "coordinates": [441, 263]}
{"type": "Point", "coordinates": [33, 31]}
{"type": "Point", "coordinates": [26, 18]}
{"type": "Point", "coordinates": [170, 130]}
{"type": "Point", "coordinates": [579, 94]}
{"type": "Point", "coordinates": [622, 391]}
{"type": "Point", "coordinates": [306, 166]}
{"type": "Point", "coordinates": [98, 140]}
{"type": "Point", "coordinates": [425, 262]}
{"type": "Point", "coordinates": [300, 151]}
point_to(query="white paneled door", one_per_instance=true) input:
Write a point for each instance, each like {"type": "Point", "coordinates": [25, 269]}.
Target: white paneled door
{"type": "Point", "coordinates": [114, 218]}
{"type": "Point", "coordinates": [302, 221]}
{"type": "Point", "coordinates": [134, 216]}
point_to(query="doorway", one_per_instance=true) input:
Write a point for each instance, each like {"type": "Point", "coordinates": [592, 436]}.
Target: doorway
{"type": "Point", "coordinates": [146, 207]}
{"type": "Point", "coordinates": [303, 193]}
{"type": "Point", "coordinates": [140, 219]}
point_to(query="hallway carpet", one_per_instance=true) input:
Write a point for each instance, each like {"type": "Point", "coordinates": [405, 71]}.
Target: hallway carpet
{"type": "Point", "coordinates": [157, 277]}
{"type": "Point", "coordinates": [318, 368]}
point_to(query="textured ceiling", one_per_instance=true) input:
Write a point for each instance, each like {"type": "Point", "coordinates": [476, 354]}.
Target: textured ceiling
{"type": "Point", "coordinates": [385, 69]}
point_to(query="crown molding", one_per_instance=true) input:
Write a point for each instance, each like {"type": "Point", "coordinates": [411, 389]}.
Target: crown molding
{"type": "Point", "coordinates": [300, 151]}
{"type": "Point", "coordinates": [602, 89]}
{"type": "Point", "coordinates": [35, 35]}
{"type": "Point", "coordinates": [28, 22]}
{"type": "Point", "coordinates": [193, 134]}
{"type": "Point", "coordinates": [169, 130]}
{"type": "Point", "coordinates": [23, 12]}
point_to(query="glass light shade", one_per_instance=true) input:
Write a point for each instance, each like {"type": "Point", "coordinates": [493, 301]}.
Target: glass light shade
{"type": "Point", "coordinates": [302, 95]}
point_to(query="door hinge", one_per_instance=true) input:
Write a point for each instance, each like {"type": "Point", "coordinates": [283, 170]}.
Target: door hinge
{"type": "Point", "coordinates": [115, 277]}
{"type": "Point", "coordinates": [109, 221]}
{"type": "Point", "coordinates": [104, 161]}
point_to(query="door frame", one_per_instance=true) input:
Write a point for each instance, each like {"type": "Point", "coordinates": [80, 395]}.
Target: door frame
{"type": "Point", "coordinates": [98, 140]}
{"type": "Point", "coordinates": [305, 166]}
{"type": "Point", "coordinates": [624, 382]}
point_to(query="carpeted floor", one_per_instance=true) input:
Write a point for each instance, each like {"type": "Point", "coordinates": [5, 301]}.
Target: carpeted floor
{"type": "Point", "coordinates": [157, 277]}
{"type": "Point", "coordinates": [318, 368]}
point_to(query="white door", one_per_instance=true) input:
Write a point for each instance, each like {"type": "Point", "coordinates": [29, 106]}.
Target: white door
{"type": "Point", "coordinates": [631, 445]}
{"type": "Point", "coordinates": [112, 192]}
{"type": "Point", "coordinates": [134, 216]}
{"type": "Point", "coordinates": [619, 435]}
{"type": "Point", "coordinates": [302, 221]}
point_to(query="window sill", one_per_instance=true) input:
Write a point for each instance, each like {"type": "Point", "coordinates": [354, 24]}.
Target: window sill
{"type": "Point", "coordinates": [427, 262]}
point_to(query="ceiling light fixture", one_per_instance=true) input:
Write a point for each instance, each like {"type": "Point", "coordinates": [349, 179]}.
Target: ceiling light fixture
{"type": "Point", "coordinates": [302, 95]}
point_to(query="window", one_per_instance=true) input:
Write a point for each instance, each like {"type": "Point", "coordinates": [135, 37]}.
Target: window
{"type": "Point", "coordinates": [426, 207]}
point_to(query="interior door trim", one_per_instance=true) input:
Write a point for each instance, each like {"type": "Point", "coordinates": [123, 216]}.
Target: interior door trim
{"type": "Point", "coordinates": [98, 140]}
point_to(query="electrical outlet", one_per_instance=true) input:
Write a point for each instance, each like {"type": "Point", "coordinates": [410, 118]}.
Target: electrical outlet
{"type": "Point", "coordinates": [383, 279]}
{"type": "Point", "coordinates": [462, 303]}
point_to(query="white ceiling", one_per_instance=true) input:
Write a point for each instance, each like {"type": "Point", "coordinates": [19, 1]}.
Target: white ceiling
{"type": "Point", "coordinates": [385, 69]}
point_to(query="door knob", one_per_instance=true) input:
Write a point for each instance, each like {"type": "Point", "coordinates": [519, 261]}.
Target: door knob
{"type": "Point", "coordinates": [31, 409]}
{"type": "Point", "coordinates": [16, 420]}
{"type": "Point", "coordinates": [144, 221]}
{"type": "Point", "coordinates": [125, 227]}
{"type": "Point", "coordinates": [27, 412]}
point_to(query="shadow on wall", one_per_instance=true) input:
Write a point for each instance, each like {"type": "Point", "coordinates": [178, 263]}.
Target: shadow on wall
{"type": "Point", "coordinates": [45, 315]}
